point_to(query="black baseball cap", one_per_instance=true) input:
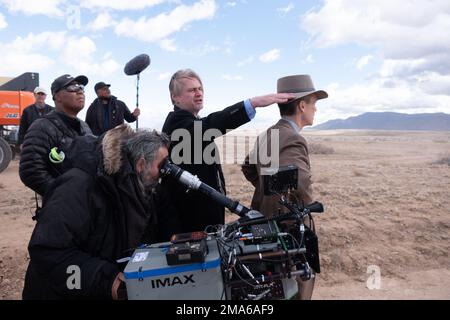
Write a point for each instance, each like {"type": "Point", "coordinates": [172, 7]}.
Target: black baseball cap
{"type": "Point", "coordinates": [100, 85]}
{"type": "Point", "coordinates": [66, 79]}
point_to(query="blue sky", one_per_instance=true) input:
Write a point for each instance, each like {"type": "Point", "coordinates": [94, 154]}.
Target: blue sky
{"type": "Point", "coordinates": [369, 55]}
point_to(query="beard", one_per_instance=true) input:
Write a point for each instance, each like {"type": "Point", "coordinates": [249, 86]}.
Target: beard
{"type": "Point", "coordinates": [148, 186]}
{"type": "Point", "coordinates": [105, 99]}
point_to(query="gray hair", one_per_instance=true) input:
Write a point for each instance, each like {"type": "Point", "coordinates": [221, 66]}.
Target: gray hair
{"type": "Point", "coordinates": [175, 85]}
{"type": "Point", "coordinates": [146, 144]}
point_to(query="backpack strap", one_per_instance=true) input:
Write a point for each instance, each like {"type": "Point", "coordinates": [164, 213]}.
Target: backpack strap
{"type": "Point", "coordinates": [57, 123]}
{"type": "Point", "coordinates": [36, 215]}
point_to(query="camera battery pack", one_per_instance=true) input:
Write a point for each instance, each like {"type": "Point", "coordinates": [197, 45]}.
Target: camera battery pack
{"type": "Point", "coordinates": [187, 252]}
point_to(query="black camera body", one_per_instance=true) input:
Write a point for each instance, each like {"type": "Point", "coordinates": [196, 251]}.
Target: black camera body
{"type": "Point", "coordinates": [285, 179]}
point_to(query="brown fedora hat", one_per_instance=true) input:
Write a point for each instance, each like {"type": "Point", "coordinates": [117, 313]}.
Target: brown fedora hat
{"type": "Point", "coordinates": [300, 85]}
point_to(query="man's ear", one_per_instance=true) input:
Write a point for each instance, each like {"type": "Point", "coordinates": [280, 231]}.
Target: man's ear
{"type": "Point", "coordinates": [173, 96]}
{"type": "Point", "coordinates": [140, 165]}
{"type": "Point", "coordinates": [301, 106]}
{"type": "Point", "coordinates": [56, 97]}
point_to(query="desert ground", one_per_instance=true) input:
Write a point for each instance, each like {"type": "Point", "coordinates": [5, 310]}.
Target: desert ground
{"type": "Point", "coordinates": [387, 208]}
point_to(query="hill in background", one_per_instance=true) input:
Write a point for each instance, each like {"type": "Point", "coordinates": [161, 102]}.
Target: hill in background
{"type": "Point", "coordinates": [391, 121]}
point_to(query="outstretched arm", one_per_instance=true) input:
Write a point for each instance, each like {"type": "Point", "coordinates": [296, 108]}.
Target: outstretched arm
{"type": "Point", "coordinates": [267, 100]}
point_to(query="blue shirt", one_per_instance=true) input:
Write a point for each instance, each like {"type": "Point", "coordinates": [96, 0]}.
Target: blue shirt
{"type": "Point", "coordinates": [293, 124]}
{"type": "Point", "coordinates": [249, 109]}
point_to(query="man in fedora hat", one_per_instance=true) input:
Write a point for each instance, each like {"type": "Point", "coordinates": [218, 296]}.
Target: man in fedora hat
{"type": "Point", "coordinates": [292, 150]}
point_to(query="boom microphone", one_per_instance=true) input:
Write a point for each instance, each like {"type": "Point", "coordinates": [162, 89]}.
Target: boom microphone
{"type": "Point", "coordinates": [134, 67]}
{"type": "Point", "coordinates": [137, 64]}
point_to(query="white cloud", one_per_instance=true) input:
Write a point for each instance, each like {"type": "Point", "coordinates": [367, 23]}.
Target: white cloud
{"type": "Point", "coordinates": [29, 54]}
{"type": "Point", "coordinates": [434, 84]}
{"type": "Point", "coordinates": [201, 50]}
{"type": "Point", "coordinates": [383, 24]}
{"type": "Point", "coordinates": [309, 59]}
{"type": "Point", "coordinates": [270, 56]}
{"type": "Point", "coordinates": [391, 68]}
{"type": "Point", "coordinates": [3, 23]}
{"type": "Point", "coordinates": [120, 4]}
{"type": "Point", "coordinates": [231, 4]}
{"type": "Point", "coordinates": [49, 8]}
{"type": "Point", "coordinates": [287, 9]}
{"type": "Point", "coordinates": [230, 77]}
{"type": "Point", "coordinates": [168, 45]}
{"type": "Point", "coordinates": [39, 52]}
{"type": "Point", "coordinates": [78, 53]}
{"type": "Point", "coordinates": [103, 21]}
{"type": "Point", "coordinates": [363, 61]}
{"type": "Point", "coordinates": [164, 76]}
{"type": "Point", "coordinates": [409, 37]}
{"type": "Point", "coordinates": [163, 25]}
{"type": "Point", "coordinates": [228, 45]}
{"type": "Point", "coordinates": [245, 61]}
{"type": "Point", "coordinates": [375, 96]}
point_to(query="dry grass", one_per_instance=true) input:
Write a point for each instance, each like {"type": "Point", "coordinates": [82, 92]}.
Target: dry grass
{"type": "Point", "coordinates": [318, 148]}
{"type": "Point", "coordinates": [233, 169]}
{"type": "Point", "coordinates": [376, 196]}
{"type": "Point", "coordinates": [381, 208]}
{"type": "Point", "coordinates": [358, 173]}
{"type": "Point", "coordinates": [443, 160]}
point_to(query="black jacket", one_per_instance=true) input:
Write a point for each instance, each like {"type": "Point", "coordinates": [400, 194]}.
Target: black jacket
{"type": "Point", "coordinates": [53, 130]}
{"type": "Point", "coordinates": [118, 112]}
{"type": "Point", "coordinates": [30, 114]}
{"type": "Point", "coordinates": [88, 221]}
{"type": "Point", "coordinates": [194, 210]}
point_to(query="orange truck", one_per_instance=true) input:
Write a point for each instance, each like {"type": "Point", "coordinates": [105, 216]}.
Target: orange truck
{"type": "Point", "coordinates": [15, 95]}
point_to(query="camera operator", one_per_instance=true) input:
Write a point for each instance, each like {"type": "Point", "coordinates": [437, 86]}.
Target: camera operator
{"type": "Point", "coordinates": [94, 216]}
{"type": "Point", "coordinates": [293, 150]}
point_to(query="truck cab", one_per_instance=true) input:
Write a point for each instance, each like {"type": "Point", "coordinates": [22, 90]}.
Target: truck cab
{"type": "Point", "coordinates": [15, 95]}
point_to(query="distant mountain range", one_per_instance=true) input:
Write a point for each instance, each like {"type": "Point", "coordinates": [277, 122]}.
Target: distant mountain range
{"type": "Point", "coordinates": [391, 121]}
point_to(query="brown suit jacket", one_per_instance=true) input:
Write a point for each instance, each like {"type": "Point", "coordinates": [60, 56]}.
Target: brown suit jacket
{"type": "Point", "coordinates": [293, 150]}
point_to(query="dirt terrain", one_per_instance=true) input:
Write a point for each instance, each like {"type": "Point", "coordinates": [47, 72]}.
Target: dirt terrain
{"type": "Point", "coordinates": [387, 201]}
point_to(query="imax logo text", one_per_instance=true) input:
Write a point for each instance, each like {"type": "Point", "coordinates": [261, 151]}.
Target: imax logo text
{"type": "Point", "coordinates": [172, 281]}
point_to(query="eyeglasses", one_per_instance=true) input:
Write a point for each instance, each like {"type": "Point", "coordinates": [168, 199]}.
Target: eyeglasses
{"type": "Point", "coordinates": [76, 87]}
{"type": "Point", "coordinates": [41, 94]}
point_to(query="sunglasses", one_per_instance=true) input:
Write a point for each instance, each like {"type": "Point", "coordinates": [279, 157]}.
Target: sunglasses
{"type": "Point", "coordinates": [76, 87]}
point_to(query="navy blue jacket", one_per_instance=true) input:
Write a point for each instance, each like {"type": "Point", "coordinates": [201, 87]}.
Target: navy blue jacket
{"type": "Point", "coordinates": [118, 112]}
{"type": "Point", "coordinates": [30, 114]}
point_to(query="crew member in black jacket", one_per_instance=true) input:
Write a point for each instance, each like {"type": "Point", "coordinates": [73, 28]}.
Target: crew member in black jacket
{"type": "Point", "coordinates": [57, 129]}
{"type": "Point", "coordinates": [194, 210]}
{"type": "Point", "coordinates": [33, 112]}
{"type": "Point", "coordinates": [107, 112]}
{"type": "Point", "coordinates": [93, 217]}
